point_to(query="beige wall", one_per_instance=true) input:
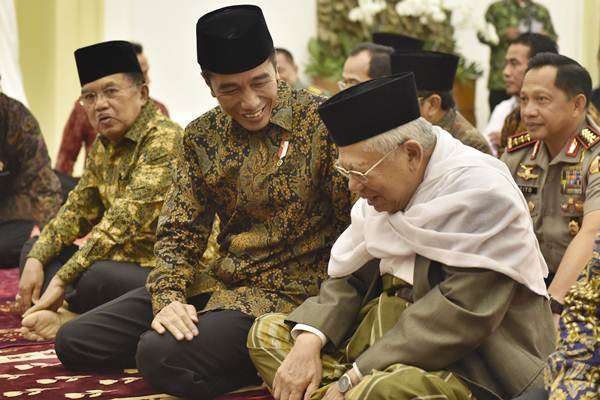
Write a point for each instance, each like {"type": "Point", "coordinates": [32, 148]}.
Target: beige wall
{"type": "Point", "coordinates": [591, 39]}
{"type": "Point", "coordinates": [49, 32]}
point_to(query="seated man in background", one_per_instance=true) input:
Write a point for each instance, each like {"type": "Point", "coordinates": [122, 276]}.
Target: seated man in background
{"type": "Point", "coordinates": [520, 50]}
{"type": "Point", "coordinates": [287, 68]}
{"type": "Point", "coordinates": [79, 132]}
{"type": "Point", "coordinates": [365, 62]}
{"type": "Point", "coordinates": [29, 190]}
{"type": "Point", "coordinates": [117, 201]}
{"type": "Point", "coordinates": [263, 162]}
{"type": "Point", "coordinates": [478, 325]}
{"type": "Point", "coordinates": [372, 60]}
{"type": "Point", "coordinates": [434, 75]}
{"type": "Point", "coordinates": [556, 164]}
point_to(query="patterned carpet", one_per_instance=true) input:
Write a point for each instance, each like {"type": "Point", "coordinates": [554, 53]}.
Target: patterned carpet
{"type": "Point", "coordinates": [31, 370]}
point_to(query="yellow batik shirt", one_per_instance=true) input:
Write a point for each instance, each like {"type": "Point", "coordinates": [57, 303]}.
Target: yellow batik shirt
{"type": "Point", "coordinates": [280, 202]}
{"type": "Point", "coordinates": [117, 200]}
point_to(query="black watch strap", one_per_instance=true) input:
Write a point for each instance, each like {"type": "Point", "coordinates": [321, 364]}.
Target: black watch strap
{"type": "Point", "coordinates": [556, 306]}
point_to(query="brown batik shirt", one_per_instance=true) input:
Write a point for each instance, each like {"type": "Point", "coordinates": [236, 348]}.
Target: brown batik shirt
{"type": "Point", "coordinates": [29, 189]}
{"type": "Point", "coordinates": [281, 207]}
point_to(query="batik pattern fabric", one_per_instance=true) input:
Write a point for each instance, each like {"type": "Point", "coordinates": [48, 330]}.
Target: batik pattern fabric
{"type": "Point", "coordinates": [270, 341]}
{"type": "Point", "coordinates": [505, 14]}
{"type": "Point", "coordinates": [280, 202]}
{"type": "Point", "coordinates": [117, 200]}
{"type": "Point", "coordinates": [573, 371]}
{"type": "Point", "coordinates": [29, 190]}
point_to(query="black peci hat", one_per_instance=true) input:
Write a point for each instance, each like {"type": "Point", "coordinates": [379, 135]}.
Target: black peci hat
{"type": "Point", "coordinates": [400, 43]}
{"type": "Point", "coordinates": [370, 108]}
{"type": "Point", "coordinates": [106, 58]}
{"type": "Point", "coordinates": [433, 71]}
{"type": "Point", "coordinates": [233, 39]}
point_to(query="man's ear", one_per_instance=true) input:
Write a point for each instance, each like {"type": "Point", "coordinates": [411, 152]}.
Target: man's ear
{"type": "Point", "coordinates": [436, 102]}
{"type": "Point", "coordinates": [145, 92]}
{"type": "Point", "coordinates": [414, 152]}
{"type": "Point", "coordinates": [580, 104]}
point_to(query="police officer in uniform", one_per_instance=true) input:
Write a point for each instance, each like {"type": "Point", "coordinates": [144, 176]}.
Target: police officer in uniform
{"type": "Point", "coordinates": [555, 163]}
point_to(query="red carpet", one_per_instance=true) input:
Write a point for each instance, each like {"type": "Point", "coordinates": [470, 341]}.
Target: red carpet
{"type": "Point", "coordinates": [30, 370]}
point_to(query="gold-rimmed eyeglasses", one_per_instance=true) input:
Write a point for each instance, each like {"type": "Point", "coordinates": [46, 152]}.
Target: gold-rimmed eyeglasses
{"type": "Point", "coordinates": [88, 99]}
{"type": "Point", "coordinates": [362, 176]}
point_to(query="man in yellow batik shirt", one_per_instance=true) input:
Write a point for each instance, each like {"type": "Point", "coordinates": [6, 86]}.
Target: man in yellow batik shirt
{"type": "Point", "coordinates": [116, 203]}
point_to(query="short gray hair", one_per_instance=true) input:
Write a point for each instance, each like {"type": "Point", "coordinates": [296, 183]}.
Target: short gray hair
{"type": "Point", "coordinates": [419, 130]}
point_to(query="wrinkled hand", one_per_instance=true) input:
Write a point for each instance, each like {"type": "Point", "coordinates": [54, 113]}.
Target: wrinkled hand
{"type": "Point", "coordinates": [333, 393]}
{"type": "Point", "coordinates": [52, 299]}
{"type": "Point", "coordinates": [30, 285]}
{"type": "Point", "coordinates": [300, 373]}
{"type": "Point", "coordinates": [177, 318]}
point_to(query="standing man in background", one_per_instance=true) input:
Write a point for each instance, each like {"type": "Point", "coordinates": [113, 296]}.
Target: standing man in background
{"type": "Point", "coordinates": [511, 18]}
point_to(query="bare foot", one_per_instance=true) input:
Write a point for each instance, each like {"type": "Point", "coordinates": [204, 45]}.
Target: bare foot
{"type": "Point", "coordinates": [43, 324]}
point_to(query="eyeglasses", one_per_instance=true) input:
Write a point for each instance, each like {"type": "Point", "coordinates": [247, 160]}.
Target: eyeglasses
{"type": "Point", "coordinates": [362, 176]}
{"type": "Point", "coordinates": [88, 99]}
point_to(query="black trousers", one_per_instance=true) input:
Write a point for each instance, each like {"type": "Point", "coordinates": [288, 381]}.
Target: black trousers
{"type": "Point", "coordinates": [13, 235]}
{"type": "Point", "coordinates": [102, 282]}
{"type": "Point", "coordinates": [495, 97]}
{"type": "Point", "coordinates": [118, 335]}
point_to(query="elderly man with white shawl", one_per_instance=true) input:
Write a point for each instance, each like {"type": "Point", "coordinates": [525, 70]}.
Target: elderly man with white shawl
{"type": "Point", "coordinates": [436, 289]}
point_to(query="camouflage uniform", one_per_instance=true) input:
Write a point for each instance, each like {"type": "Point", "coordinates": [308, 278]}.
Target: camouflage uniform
{"type": "Point", "coordinates": [505, 14]}
{"type": "Point", "coordinates": [458, 126]}
{"type": "Point", "coordinates": [29, 190]}
{"type": "Point", "coordinates": [559, 191]}
{"type": "Point", "coordinates": [573, 371]}
{"type": "Point", "coordinates": [118, 199]}
{"type": "Point", "coordinates": [280, 211]}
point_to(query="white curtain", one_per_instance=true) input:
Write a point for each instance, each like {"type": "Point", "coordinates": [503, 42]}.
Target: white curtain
{"type": "Point", "coordinates": [11, 80]}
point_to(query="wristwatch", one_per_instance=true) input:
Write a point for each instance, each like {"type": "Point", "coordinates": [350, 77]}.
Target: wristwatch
{"type": "Point", "coordinates": [556, 306]}
{"type": "Point", "coordinates": [344, 383]}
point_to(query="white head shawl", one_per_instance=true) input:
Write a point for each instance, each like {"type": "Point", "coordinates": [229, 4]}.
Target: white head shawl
{"type": "Point", "coordinates": [468, 212]}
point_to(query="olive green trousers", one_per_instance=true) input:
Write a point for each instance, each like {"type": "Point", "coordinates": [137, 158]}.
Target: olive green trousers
{"type": "Point", "coordinates": [269, 342]}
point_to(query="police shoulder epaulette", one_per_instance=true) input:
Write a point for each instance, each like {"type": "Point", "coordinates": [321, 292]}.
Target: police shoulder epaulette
{"type": "Point", "coordinates": [588, 137]}
{"type": "Point", "coordinates": [518, 141]}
